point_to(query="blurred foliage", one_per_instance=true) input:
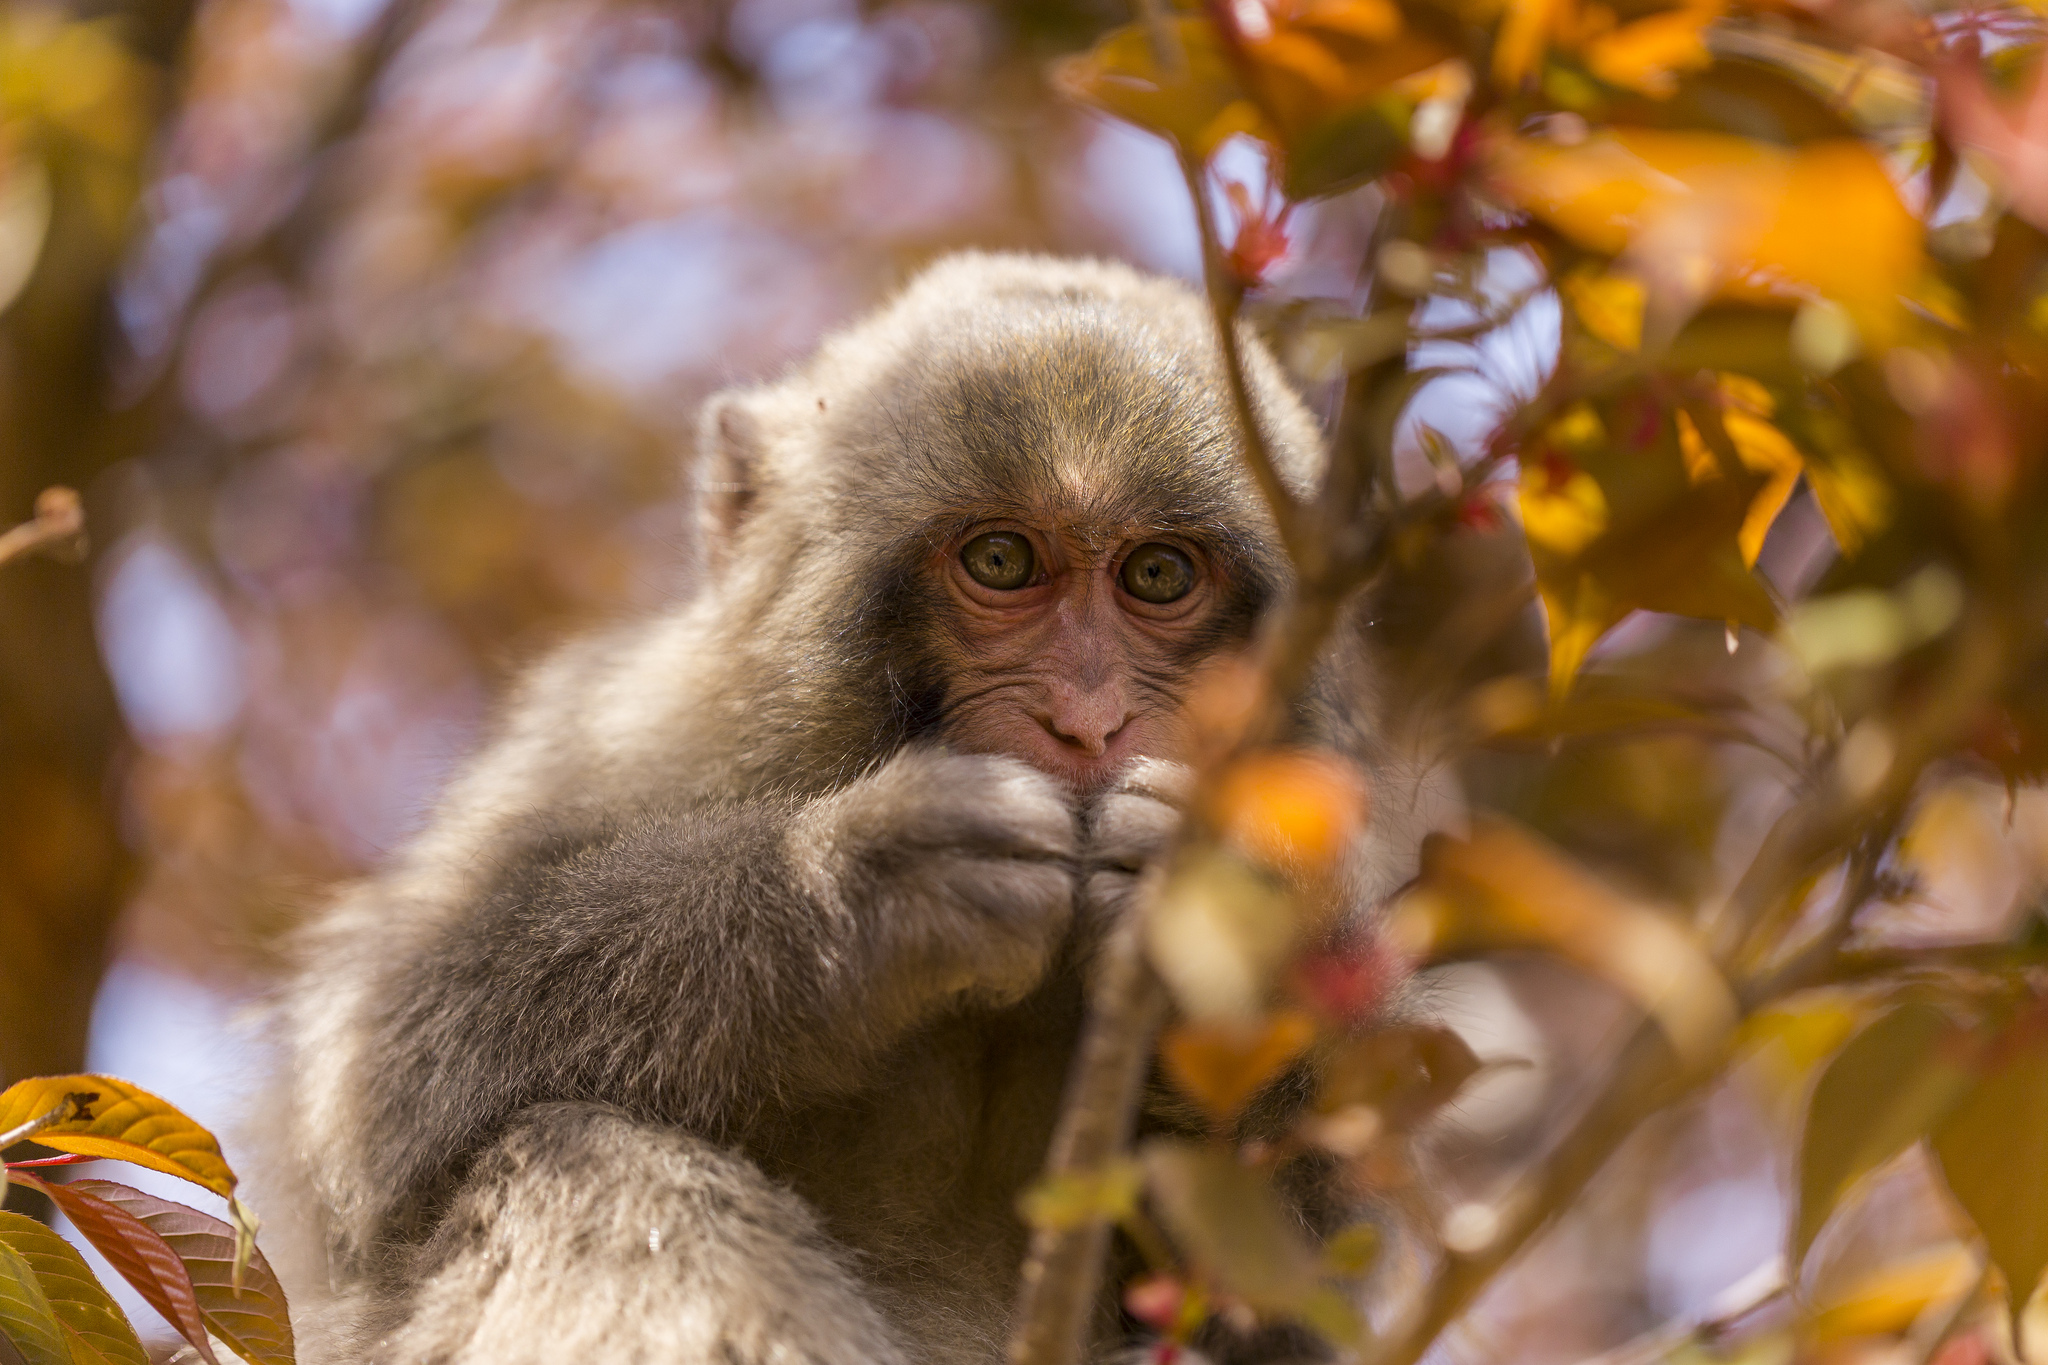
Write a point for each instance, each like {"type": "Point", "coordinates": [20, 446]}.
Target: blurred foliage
{"type": "Point", "coordinates": [1778, 457]}
{"type": "Point", "coordinates": [1686, 369]}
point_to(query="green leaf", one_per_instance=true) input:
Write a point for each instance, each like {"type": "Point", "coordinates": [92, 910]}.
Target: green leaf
{"type": "Point", "coordinates": [1994, 1153]}
{"type": "Point", "coordinates": [83, 1308]}
{"type": "Point", "coordinates": [1075, 1199]}
{"type": "Point", "coordinates": [26, 1319]}
{"type": "Point", "coordinates": [1356, 146]}
{"type": "Point", "coordinates": [1226, 1216]}
{"type": "Point", "coordinates": [1883, 1092]}
{"type": "Point", "coordinates": [255, 1323]}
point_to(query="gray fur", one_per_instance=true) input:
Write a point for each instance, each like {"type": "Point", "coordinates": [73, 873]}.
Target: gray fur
{"type": "Point", "coordinates": [716, 939]}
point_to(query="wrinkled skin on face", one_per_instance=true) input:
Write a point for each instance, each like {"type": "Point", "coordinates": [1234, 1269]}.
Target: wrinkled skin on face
{"type": "Point", "coordinates": [1072, 669]}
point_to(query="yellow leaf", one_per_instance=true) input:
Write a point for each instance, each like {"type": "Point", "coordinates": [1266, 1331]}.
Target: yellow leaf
{"type": "Point", "coordinates": [1561, 514]}
{"type": "Point", "coordinates": [120, 1121]}
{"type": "Point", "coordinates": [1891, 1298]}
{"type": "Point", "coordinates": [1761, 447]}
{"type": "Point", "coordinates": [1576, 615]}
{"type": "Point", "coordinates": [1372, 21]}
{"type": "Point", "coordinates": [1199, 106]}
{"type": "Point", "coordinates": [1072, 1199]}
{"type": "Point", "coordinates": [1647, 54]}
{"type": "Point", "coordinates": [1855, 500]}
{"type": "Point", "coordinates": [1728, 216]}
{"type": "Point", "coordinates": [1223, 1065]}
{"type": "Point", "coordinates": [1524, 33]}
{"type": "Point", "coordinates": [1610, 306]}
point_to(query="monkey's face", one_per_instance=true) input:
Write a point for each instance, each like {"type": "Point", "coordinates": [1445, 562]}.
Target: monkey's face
{"type": "Point", "coordinates": [1073, 642]}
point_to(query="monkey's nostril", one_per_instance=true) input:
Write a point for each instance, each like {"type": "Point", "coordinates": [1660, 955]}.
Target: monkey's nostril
{"type": "Point", "coordinates": [1091, 736]}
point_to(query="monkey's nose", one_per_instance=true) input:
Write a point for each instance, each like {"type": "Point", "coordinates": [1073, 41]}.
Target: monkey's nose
{"type": "Point", "coordinates": [1089, 724]}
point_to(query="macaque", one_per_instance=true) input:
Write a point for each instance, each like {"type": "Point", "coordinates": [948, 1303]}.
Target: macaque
{"type": "Point", "coordinates": [723, 1009]}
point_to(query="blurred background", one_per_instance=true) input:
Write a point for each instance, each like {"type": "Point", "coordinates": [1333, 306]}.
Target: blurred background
{"type": "Point", "coordinates": [372, 335]}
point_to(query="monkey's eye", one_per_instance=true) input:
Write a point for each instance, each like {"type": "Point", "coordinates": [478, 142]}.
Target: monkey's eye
{"type": "Point", "coordinates": [999, 559]}
{"type": "Point", "coordinates": [1158, 573]}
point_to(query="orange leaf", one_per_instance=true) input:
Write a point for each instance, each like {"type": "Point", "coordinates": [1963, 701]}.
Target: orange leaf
{"type": "Point", "coordinates": [1223, 1065]}
{"type": "Point", "coordinates": [1725, 216]}
{"type": "Point", "coordinates": [1647, 54]}
{"type": "Point", "coordinates": [1291, 808]}
{"type": "Point", "coordinates": [121, 1121]}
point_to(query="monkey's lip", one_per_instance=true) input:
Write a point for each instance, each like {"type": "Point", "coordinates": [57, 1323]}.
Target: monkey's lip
{"type": "Point", "coordinates": [1087, 775]}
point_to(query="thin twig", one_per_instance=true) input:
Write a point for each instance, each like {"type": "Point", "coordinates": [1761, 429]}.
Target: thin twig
{"type": "Point", "coordinates": [1647, 1078]}
{"type": "Point", "coordinates": [23, 1132]}
{"type": "Point", "coordinates": [58, 529]}
{"type": "Point", "coordinates": [1225, 293]}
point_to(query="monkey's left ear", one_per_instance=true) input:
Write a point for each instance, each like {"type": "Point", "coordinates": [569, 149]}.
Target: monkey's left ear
{"type": "Point", "coordinates": [732, 445]}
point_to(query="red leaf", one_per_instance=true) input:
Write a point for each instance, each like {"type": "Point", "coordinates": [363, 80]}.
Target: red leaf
{"type": "Point", "coordinates": [1261, 235]}
{"type": "Point", "coordinates": [255, 1323]}
{"type": "Point", "coordinates": [1348, 985]}
{"type": "Point", "coordinates": [1155, 1300]}
{"type": "Point", "coordinates": [144, 1259]}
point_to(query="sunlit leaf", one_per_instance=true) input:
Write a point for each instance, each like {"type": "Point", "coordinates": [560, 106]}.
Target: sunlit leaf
{"type": "Point", "coordinates": [1616, 523]}
{"type": "Point", "coordinates": [1504, 888]}
{"type": "Point", "coordinates": [1994, 1153]}
{"type": "Point", "coordinates": [122, 1121]}
{"type": "Point", "coordinates": [1326, 73]}
{"type": "Point", "coordinates": [1199, 105]}
{"type": "Point", "coordinates": [1218, 932]}
{"type": "Point", "coordinates": [1608, 305]}
{"type": "Point", "coordinates": [81, 1306]}
{"type": "Point", "coordinates": [1705, 215]}
{"type": "Point", "coordinates": [1891, 1298]}
{"type": "Point", "coordinates": [1794, 1036]}
{"type": "Point", "coordinates": [136, 1251]}
{"type": "Point", "coordinates": [1760, 447]}
{"type": "Point", "coordinates": [1071, 1199]}
{"type": "Point", "coordinates": [26, 1319]}
{"type": "Point", "coordinates": [1291, 808]}
{"type": "Point", "coordinates": [1649, 53]}
{"type": "Point", "coordinates": [1645, 54]}
{"type": "Point", "coordinates": [1883, 1092]}
{"type": "Point", "coordinates": [1224, 1064]}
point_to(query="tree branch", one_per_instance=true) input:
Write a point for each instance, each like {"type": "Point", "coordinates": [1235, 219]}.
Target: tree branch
{"type": "Point", "coordinates": [58, 529]}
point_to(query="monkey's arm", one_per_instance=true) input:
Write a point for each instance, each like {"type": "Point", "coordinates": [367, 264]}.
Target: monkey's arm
{"type": "Point", "coordinates": [699, 966]}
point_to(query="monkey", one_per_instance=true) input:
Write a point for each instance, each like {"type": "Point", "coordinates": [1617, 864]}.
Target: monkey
{"type": "Point", "coordinates": [722, 1009]}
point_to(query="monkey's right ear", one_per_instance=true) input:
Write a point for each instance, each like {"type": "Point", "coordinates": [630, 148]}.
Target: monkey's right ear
{"type": "Point", "coordinates": [732, 445]}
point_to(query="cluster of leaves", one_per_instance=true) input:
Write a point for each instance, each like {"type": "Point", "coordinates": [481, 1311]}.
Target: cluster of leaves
{"type": "Point", "coordinates": [204, 1276]}
{"type": "Point", "coordinates": [1799, 254]}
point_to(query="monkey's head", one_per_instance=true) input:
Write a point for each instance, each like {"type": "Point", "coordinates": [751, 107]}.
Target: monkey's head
{"type": "Point", "coordinates": [1005, 513]}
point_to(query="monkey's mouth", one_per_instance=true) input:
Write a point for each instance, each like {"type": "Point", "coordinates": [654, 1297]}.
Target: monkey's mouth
{"type": "Point", "coordinates": [1087, 774]}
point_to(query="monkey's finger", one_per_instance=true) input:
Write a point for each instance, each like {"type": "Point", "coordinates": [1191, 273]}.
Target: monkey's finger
{"type": "Point", "coordinates": [1130, 829]}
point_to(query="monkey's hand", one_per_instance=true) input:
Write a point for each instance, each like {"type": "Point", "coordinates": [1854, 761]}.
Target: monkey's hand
{"type": "Point", "coordinates": [1129, 828]}
{"type": "Point", "coordinates": [955, 872]}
